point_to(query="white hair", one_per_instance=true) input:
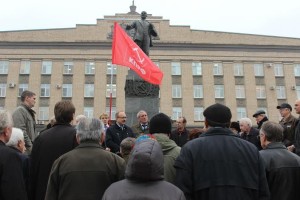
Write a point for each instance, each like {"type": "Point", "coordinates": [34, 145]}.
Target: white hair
{"type": "Point", "coordinates": [16, 136]}
{"type": "Point", "coordinates": [246, 121]}
{"type": "Point", "coordinates": [89, 129]}
{"type": "Point", "coordinates": [5, 120]}
{"type": "Point", "coordinates": [139, 113]}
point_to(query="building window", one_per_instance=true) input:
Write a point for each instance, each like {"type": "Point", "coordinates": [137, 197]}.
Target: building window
{"type": "Point", "coordinates": [258, 69]}
{"type": "Point", "coordinates": [25, 67]}
{"type": "Point", "coordinates": [241, 113]}
{"type": "Point", "coordinates": [198, 91]}
{"type": "Point", "coordinates": [176, 91]}
{"type": "Point", "coordinates": [43, 114]}
{"type": "Point", "coordinates": [280, 91]}
{"type": "Point", "coordinates": [278, 69]}
{"type": "Point", "coordinates": [46, 67]}
{"type": "Point", "coordinates": [111, 69]}
{"type": "Point", "coordinates": [67, 90]}
{"type": "Point", "coordinates": [177, 112]}
{"type": "Point", "coordinates": [3, 67]}
{"type": "Point", "coordinates": [197, 68]}
{"type": "Point", "coordinates": [45, 90]}
{"type": "Point", "coordinates": [22, 88]}
{"type": "Point", "coordinates": [88, 90]}
{"type": "Point", "coordinates": [89, 67]}
{"type": "Point", "coordinates": [198, 114]}
{"type": "Point", "coordinates": [219, 91]}
{"type": "Point", "coordinates": [298, 92]}
{"type": "Point", "coordinates": [176, 68]}
{"type": "Point", "coordinates": [218, 69]}
{"type": "Point", "coordinates": [111, 88]}
{"type": "Point", "coordinates": [297, 69]}
{"type": "Point", "coordinates": [113, 112]}
{"type": "Point", "coordinates": [2, 90]}
{"type": "Point", "coordinates": [68, 68]}
{"type": "Point", "coordinates": [240, 91]}
{"type": "Point", "coordinates": [238, 69]}
{"type": "Point", "coordinates": [260, 92]}
{"type": "Point", "coordinates": [88, 112]}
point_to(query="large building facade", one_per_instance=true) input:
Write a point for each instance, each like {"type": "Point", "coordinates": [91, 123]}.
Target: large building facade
{"type": "Point", "coordinates": [245, 72]}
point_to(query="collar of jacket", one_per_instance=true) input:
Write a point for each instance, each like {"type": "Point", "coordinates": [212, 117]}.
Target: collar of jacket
{"type": "Point", "coordinates": [60, 123]}
{"type": "Point", "coordinates": [2, 143]}
{"type": "Point", "coordinates": [290, 118]}
{"type": "Point", "coordinates": [275, 145]}
{"type": "Point", "coordinates": [90, 143]}
{"type": "Point", "coordinates": [218, 131]}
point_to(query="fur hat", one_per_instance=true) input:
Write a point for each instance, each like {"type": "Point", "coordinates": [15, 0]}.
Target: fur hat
{"type": "Point", "coordinates": [160, 123]}
{"type": "Point", "coordinates": [218, 115]}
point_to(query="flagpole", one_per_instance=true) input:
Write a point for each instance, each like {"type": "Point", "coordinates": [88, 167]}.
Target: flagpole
{"type": "Point", "coordinates": [110, 95]}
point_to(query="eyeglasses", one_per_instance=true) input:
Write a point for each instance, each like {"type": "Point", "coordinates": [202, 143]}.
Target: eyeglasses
{"type": "Point", "coordinates": [122, 117]}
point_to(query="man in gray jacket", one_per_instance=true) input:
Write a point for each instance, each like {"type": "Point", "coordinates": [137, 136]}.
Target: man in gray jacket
{"type": "Point", "coordinates": [24, 118]}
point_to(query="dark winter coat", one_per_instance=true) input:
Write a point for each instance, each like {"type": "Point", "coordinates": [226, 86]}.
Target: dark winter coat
{"type": "Point", "coordinates": [220, 165]}
{"type": "Point", "coordinates": [115, 135]}
{"type": "Point", "coordinates": [180, 138]}
{"type": "Point", "coordinates": [12, 185]}
{"type": "Point", "coordinates": [47, 147]}
{"type": "Point", "coordinates": [283, 171]}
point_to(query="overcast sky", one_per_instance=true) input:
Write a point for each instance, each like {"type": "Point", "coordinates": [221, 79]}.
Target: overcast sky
{"type": "Point", "coordinates": [264, 17]}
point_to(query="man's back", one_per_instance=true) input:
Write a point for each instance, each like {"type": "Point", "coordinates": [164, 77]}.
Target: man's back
{"type": "Point", "coordinates": [51, 144]}
{"type": "Point", "coordinates": [89, 164]}
{"type": "Point", "coordinates": [11, 177]}
{"type": "Point", "coordinates": [219, 165]}
{"type": "Point", "coordinates": [283, 171]}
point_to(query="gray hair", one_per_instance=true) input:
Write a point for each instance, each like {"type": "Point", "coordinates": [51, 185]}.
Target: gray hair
{"type": "Point", "coordinates": [89, 129]}
{"type": "Point", "coordinates": [246, 121]}
{"type": "Point", "coordinates": [16, 136]}
{"type": "Point", "coordinates": [127, 145]}
{"type": "Point", "coordinates": [139, 113]}
{"type": "Point", "coordinates": [5, 120]}
{"type": "Point", "coordinates": [273, 131]}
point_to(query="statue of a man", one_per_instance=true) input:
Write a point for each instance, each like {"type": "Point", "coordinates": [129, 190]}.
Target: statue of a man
{"type": "Point", "coordinates": [143, 32]}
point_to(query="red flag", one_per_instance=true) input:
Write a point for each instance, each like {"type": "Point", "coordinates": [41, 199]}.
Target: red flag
{"type": "Point", "coordinates": [127, 53]}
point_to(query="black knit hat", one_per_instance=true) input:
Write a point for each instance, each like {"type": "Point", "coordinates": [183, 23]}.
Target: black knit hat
{"type": "Point", "coordinates": [160, 123]}
{"type": "Point", "coordinates": [218, 115]}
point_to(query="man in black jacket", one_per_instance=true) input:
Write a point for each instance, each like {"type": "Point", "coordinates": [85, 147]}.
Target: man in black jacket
{"type": "Point", "coordinates": [219, 164]}
{"type": "Point", "coordinates": [282, 166]}
{"type": "Point", "coordinates": [11, 176]}
{"type": "Point", "coordinates": [118, 132]}
{"type": "Point", "coordinates": [51, 144]}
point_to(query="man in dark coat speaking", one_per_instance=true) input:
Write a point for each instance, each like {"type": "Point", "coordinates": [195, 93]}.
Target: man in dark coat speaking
{"type": "Point", "coordinates": [219, 164]}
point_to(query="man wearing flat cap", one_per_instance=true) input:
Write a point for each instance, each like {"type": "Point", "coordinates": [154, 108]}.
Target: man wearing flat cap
{"type": "Point", "coordinates": [210, 167]}
{"type": "Point", "coordinates": [288, 122]}
{"type": "Point", "coordinates": [260, 117]}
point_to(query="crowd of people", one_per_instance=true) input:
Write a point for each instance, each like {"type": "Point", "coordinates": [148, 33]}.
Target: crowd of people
{"type": "Point", "coordinates": [89, 158]}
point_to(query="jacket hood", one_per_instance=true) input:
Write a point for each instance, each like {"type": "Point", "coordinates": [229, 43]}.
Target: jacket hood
{"type": "Point", "coordinates": [165, 142]}
{"type": "Point", "coordinates": [146, 161]}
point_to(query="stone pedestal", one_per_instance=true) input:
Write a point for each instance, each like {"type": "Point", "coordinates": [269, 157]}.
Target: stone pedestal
{"type": "Point", "coordinates": [140, 95]}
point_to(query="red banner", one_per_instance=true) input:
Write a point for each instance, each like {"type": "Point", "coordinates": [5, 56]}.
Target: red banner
{"type": "Point", "coordinates": [127, 53]}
